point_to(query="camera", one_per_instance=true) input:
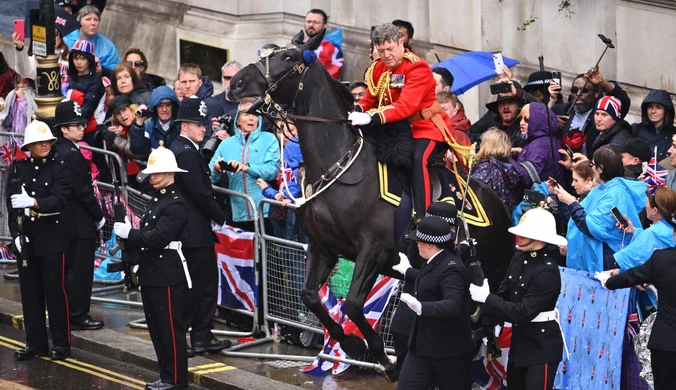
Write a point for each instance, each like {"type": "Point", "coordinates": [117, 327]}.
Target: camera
{"type": "Point", "coordinates": [144, 113]}
{"type": "Point", "coordinates": [226, 122]}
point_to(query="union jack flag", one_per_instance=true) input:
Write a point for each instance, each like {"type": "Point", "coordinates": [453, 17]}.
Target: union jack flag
{"type": "Point", "coordinates": [60, 21]}
{"type": "Point", "coordinates": [655, 175]}
{"type": "Point", "coordinates": [329, 52]}
{"type": "Point", "coordinates": [10, 151]}
{"type": "Point", "coordinates": [236, 264]}
{"type": "Point", "coordinates": [493, 375]}
{"type": "Point", "coordinates": [375, 305]}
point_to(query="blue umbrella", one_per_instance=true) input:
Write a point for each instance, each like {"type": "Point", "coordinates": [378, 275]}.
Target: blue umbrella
{"type": "Point", "coordinates": [471, 68]}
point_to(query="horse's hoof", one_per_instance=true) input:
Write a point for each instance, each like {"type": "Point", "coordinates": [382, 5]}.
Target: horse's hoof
{"type": "Point", "coordinates": [390, 372]}
{"type": "Point", "coordinates": [353, 346]}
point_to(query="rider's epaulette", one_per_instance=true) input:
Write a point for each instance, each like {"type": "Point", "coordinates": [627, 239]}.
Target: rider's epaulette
{"type": "Point", "coordinates": [411, 57]}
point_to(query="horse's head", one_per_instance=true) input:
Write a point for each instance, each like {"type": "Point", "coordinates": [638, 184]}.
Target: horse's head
{"type": "Point", "coordinates": [276, 72]}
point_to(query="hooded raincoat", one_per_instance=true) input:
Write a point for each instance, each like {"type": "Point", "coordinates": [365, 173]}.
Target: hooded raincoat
{"type": "Point", "coordinates": [260, 152]}
{"type": "Point", "coordinates": [656, 137]}
{"type": "Point", "coordinates": [540, 143]}
{"type": "Point", "coordinates": [147, 137]}
{"type": "Point", "coordinates": [585, 251]}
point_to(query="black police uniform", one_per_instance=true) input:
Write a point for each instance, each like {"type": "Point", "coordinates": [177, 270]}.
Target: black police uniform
{"type": "Point", "coordinates": [531, 286]}
{"type": "Point", "coordinates": [440, 347]}
{"type": "Point", "coordinates": [43, 279]}
{"type": "Point", "coordinates": [82, 214]}
{"type": "Point", "coordinates": [163, 281]}
{"type": "Point", "coordinates": [198, 241]}
{"type": "Point", "coordinates": [660, 271]}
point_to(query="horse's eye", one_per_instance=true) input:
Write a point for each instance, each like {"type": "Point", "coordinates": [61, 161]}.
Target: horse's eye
{"type": "Point", "coordinates": [287, 58]}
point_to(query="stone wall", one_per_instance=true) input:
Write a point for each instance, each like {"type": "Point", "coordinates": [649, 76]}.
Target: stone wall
{"type": "Point", "coordinates": [641, 30]}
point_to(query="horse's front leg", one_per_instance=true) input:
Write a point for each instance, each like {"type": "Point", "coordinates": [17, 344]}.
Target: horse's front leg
{"type": "Point", "coordinates": [370, 259]}
{"type": "Point", "coordinates": [318, 267]}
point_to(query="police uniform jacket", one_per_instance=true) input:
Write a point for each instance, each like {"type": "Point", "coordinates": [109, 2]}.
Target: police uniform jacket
{"type": "Point", "coordinates": [49, 184]}
{"type": "Point", "coordinates": [82, 210]}
{"type": "Point", "coordinates": [658, 270]}
{"type": "Point", "coordinates": [397, 94]}
{"type": "Point", "coordinates": [163, 222]}
{"type": "Point", "coordinates": [443, 328]}
{"type": "Point", "coordinates": [196, 186]}
{"type": "Point", "coordinates": [531, 286]}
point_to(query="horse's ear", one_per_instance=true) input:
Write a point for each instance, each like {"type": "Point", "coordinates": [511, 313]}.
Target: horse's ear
{"type": "Point", "coordinates": [315, 41]}
{"type": "Point", "coordinates": [298, 38]}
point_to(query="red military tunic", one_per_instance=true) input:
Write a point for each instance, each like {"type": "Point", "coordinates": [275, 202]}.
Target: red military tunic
{"type": "Point", "coordinates": [399, 93]}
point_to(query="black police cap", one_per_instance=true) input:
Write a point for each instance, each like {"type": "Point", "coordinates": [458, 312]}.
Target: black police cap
{"type": "Point", "coordinates": [67, 113]}
{"type": "Point", "coordinates": [432, 230]}
{"type": "Point", "coordinates": [193, 109]}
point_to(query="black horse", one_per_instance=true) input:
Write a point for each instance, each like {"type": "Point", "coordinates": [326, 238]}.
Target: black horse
{"type": "Point", "coordinates": [348, 218]}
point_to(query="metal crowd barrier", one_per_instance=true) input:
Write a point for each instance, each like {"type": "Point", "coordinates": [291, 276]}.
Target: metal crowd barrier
{"type": "Point", "coordinates": [283, 269]}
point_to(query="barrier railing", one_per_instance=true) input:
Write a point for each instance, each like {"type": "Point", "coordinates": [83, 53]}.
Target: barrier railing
{"type": "Point", "coordinates": [283, 276]}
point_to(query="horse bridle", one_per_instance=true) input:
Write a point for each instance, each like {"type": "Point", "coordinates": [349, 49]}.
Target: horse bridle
{"type": "Point", "coordinates": [271, 109]}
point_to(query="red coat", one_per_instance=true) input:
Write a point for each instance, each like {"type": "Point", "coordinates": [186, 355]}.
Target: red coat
{"type": "Point", "coordinates": [409, 90]}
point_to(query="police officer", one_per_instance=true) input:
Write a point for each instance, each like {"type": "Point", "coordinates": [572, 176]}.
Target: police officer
{"type": "Point", "coordinates": [440, 347]}
{"type": "Point", "coordinates": [527, 298]}
{"type": "Point", "coordinates": [204, 217]}
{"type": "Point", "coordinates": [83, 212]}
{"type": "Point", "coordinates": [40, 188]}
{"type": "Point", "coordinates": [403, 317]}
{"type": "Point", "coordinates": [163, 274]}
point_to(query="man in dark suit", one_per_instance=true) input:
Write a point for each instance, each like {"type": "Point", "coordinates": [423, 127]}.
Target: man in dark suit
{"type": "Point", "coordinates": [205, 217]}
{"type": "Point", "coordinates": [163, 273]}
{"type": "Point", "coordinates": [84, 214]}
{"type": "Point", "coordinates": [440, 347]}
{"type": "Point", "coordinates": [527, 298]}
{"type": "Point", "coordinates": [659, 271]}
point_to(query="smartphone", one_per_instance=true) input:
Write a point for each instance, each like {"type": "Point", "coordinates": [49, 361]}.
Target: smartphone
{"type": "Point", "coordinates": [619, 217]}
{"type": "Point", "coordinates": [499, 62]}
{"type": "Point", "coordinates": [20, 29]}
{"type": "Point", "coordinates": [552, 182]}
{"type": "Point", "coordinates": [569, 151]}
{"type": "Point", "coordinates": [373, 29]}
{"type": "Point", "coordinates": [556, 77]}
{"type": "Point", "coordinates": [499, 88]}
{"type": "Point", "coordinates": [226, 167]}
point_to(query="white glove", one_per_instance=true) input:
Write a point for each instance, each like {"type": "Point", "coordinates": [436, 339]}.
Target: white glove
{"type": "Point", "coordinates": [479, 293]}
{"type": "Point", "coordinates": [99, 224]}
{"type": "Point", "coordinates": [122, 229]}
{"type": "Point", "coordinates": [215, 227]}
{"type": "Point", "coordinates": [466, 242]}
{"type": "Point", "coordinates": [602, 277]}
{"type": "Point", "coordinates": [17, 243]}
{"type": "Point", "coordinates": [404, 264]}
{"type": "Point", "coordinates": [412, 302]}
{"type": "Point", "coordinates": [22, 201]}
{"type": "Point", "coordinates": [359, 118]}
{"type": "Point", "coordinates": [498, 328]}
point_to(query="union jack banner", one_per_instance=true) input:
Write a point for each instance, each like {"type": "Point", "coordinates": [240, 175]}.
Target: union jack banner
{"type": "Point", "coordinates": [492, 375]}
{"type": "Point", "coordinates": [237, 272]}
{"type": "Point", "coordinates": [329, 52]}
{"type": "Point", "coordinates": [655, 175]}
{"type": "Point", "coordinates": [375, 305]}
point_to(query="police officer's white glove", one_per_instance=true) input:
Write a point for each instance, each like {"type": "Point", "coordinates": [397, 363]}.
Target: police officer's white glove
{"type": "Point", "coordinates": [122, 228]}
{"type": "Point", "coordinates": [99, 224]}
{"type": "Point", "coordinates": [480, 293]}
{"type": "Point", "coordinates": [602, 277]}
{"type": "Point", "coordinates": [359, 118]}
{"type": "Point", "coordinates": [215, 227]}
{"type": "Point", "coordinates": [412, 302]}
{"type": "Point", "coordinates": [22, 200]}
{"type": "Point", "coordinates": [17, 243]}
{"type": "Point", "coordinates": [403, 266]}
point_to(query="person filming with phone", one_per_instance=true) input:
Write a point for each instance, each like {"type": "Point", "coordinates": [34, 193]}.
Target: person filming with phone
{"type": "Point", "coordinates": [592, 236]}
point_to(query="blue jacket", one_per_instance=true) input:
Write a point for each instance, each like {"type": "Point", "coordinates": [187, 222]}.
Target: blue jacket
{"type": "Point", "coordinates": [294, 188]}
{"type": "Point", "coordinates": [260, 151]}
{"type": "Point", "coordinates": [103, 48]}
{"type": "Point", "coordinates": [143, 138]}
{"type": "Point", "coordinates": [293, 155]}
{"type": "Point", "coordinates": [585, 252]}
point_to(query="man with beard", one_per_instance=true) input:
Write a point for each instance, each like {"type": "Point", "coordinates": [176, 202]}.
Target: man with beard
{"type": "Point", "coordinates": [219, 105]}
{"type": "Point", "coordinates": [583, 120]}
{"type": "Point", "coordinates": [406, 31]}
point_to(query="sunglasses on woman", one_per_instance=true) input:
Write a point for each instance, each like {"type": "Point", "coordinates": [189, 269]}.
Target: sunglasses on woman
{"type": "Point", "coordinates": [135, 64]}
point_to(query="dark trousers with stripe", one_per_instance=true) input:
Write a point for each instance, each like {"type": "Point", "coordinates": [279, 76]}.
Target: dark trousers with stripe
{"type": "Point", "coordinates": [199, 303]}
{"type": "Point", "coordinates": [535, 377]}
{"type": "Point", "coordinates": [164, 316]}
{"type": "Point", "coordinates": [44, 279]}
{"type": "Point", "coordinates": [79, 277]}
{"type": "Point", "coordinates": [425, 151]}
{"type": "Point", "coordinates": [423, 373]}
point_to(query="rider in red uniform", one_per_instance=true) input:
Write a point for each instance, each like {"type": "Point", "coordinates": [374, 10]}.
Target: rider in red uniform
{"type": "Point", "coordinates": [400, 87]}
